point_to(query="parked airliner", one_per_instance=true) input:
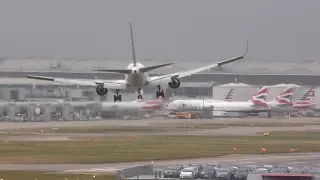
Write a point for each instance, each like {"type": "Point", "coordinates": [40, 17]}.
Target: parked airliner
{"type": "Point", "coordinates": [255, 103]}
{"type": "Point", "coordinates": [136, 77]}
{"type": "Point", "coordinates": [286, 105]}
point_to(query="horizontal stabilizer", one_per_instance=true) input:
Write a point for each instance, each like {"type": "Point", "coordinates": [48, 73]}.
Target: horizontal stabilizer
{"type": "Point", "coordinates": [121, 71]}
{"type": "Point", "coordinates": [146, 69]}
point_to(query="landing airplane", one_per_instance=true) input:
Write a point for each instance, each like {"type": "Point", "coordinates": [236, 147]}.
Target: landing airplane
{"type": "Point", "coordinates": [136, 76]}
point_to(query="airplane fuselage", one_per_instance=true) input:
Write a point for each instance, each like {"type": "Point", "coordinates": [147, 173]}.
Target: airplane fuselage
{"type": "Point", "coordinates": [277, 107]}
{"type": "Point", "coordinates": [136, 79]}
{"type": "Point", "coordinates": [217, 105]}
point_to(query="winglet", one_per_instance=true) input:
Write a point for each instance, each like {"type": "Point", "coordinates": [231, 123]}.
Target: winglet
{"type": "Point", "coordinates": [132, 46]}
{"type": "Point", "coordinates": [235, 58]}
{"type": "Point", "coordinates": [20, 65]}
{"type": "Point", "coordinates": [247, 49]}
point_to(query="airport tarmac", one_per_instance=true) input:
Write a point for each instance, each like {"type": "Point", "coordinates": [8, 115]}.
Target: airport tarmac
{"type": "Point", "coordinates": [149, 122]}
{"type": "Point", "coordinates": [289, 159]}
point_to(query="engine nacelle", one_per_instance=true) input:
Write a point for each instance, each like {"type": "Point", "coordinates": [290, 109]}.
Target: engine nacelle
{"type": "Point", "coordinates": [175, 83]}
{"type": "Point", "coordinates": [101, 90]}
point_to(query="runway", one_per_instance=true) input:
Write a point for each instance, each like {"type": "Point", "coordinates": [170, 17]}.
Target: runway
{"type": "Point", "coordinates": [289, 159]}
{"type": "Point", "coordinates": [149, 122]}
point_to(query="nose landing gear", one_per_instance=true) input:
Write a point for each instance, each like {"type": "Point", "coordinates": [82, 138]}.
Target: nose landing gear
{"type": "Point", "coordinates": [139, 94]}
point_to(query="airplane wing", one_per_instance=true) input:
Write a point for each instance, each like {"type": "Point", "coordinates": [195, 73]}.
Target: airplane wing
{"type": "Point", "coordinates": [112, 84]}
{"type": "Point", "coordinates": [157, 80]}
{"type": "Point", "coordinates": [163, 79]}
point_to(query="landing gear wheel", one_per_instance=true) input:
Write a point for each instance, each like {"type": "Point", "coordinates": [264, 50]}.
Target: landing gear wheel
{"type": "Point", "coordinates": [139, 94]}
{"type": "Point", "coordinates": [117, 98]}
{"type": "Point", "coordinates": [101, 91]}
{"type": "Point", "coordinates": [160, 92]}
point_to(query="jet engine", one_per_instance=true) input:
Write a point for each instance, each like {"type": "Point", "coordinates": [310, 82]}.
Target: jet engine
{"type": "Point", "coordinates": [175, 83]}
{"type": "Point", "coordinates": [101, 90]}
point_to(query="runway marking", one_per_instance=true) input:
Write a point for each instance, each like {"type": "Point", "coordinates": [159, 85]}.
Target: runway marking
{"type": "Point", "coordinates": [296, 163]}
{"type": "Point", "coordinates": [102, 169]}
{"type": "Point", "coordinates": [94, 170]}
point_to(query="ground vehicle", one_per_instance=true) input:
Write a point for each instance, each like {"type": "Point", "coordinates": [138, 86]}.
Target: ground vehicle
{"type": "Point", "coordinates": [197, 165]}
{"type": "Point", "coordinates": [222, 173]}
{"type": "Point", "coordinates": [279, 170]}
{"type": "Point", "coordinates": [189, 173]}
{"type": "Point", "coordinates": [173, 171]}
{"type": "Point", "coordinates": [185, 115]}
{"type": "Point", "coordinates": [260, 170]}
{"type": "Point", "coordinates": [250, 168]}
{"type": "Point", "coordinates": [214, 165]}
{"type": "Point", "coordinates": [207, 173]}
{"type": "Point", "coordinates": [240, 173]}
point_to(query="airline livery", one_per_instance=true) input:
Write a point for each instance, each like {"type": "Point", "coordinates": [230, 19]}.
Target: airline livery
{"type": "Point", "coordinates": [136, 77]}
{"type": "Point", "coordinates": [229, 95]}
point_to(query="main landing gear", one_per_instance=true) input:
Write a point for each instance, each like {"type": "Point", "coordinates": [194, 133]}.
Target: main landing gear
{"type": "Point", "coordinates": [139, 94]}
{"type": "Point", "coordinates": [160, 92]}
{"type": "Point", "coordinates": [117, 96]}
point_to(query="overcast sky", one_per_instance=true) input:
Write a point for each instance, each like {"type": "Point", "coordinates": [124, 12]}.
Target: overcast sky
{"type": "Point", "coordinates": [163, 29]}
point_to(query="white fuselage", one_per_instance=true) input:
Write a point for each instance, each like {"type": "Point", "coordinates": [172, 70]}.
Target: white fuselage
{"type": "Point", "coordinates": [229, 106]}
{"type": "Point", "coordinates": [277, 107]}
{"type": "Point", "coordinates": [136, 79]}
{"type": "Point", "coordinates": [217, 105]}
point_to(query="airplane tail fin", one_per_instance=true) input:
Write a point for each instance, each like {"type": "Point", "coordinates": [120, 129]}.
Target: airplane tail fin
{"type": "Point", "coordinates": [260, 97]}
{"type": "Point", "coordinates": [305, 100]}
{"type": "Point", "coordinates": [285, 96]}
{"type": "Point", "coordinates": [229, 95]}
{"type": "Point", "coordinates": [132, 46]}
{"type": "Point", "coordinates": [143, 69]}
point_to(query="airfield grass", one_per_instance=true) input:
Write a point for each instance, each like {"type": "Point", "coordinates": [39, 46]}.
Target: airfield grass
{"type": "Point", "coordinates": [148, 148]}
{"type": "Point", "coordinates": [29, 175]}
